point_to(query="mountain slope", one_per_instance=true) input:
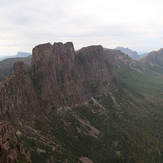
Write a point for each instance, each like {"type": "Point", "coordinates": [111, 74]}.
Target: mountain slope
{"type": "Point", "coordinates": [95, 105]}
{"type": "Point", "coordinates": [132, 54]}
{"type": "Point", "coordinates": [122, 126]}
{"type": "Point", "coordinates": [154, 61]}
{"type": "Point", "coordinates": [154, 57]}
{"type": "Point", "coordinates": [6, 66]}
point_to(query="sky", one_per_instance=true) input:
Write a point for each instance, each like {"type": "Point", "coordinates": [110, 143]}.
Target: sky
{"type": "Point", "coordinates": [136, 24]}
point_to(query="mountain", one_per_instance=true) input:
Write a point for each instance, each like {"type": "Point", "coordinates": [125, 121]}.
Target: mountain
{"type": "Point", "coordinates": [58, 77]}
{"type": "Point", "coordinates": [22, 54]}
{"type": "Point", "coordinates": [93, 105]}
{"type": "Point", "coordinates": [6, 65]}
{"type": "Point", "coordinates": [132, 54]}
{"type": "Point", "coordinates": [19, 54]}
{"type": "Point", "coordinates": [154, 57]}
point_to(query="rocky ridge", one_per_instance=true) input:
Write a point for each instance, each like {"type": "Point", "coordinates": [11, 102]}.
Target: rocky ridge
{"type": "Point", "coordinates": [58, 77]}
{"type": "Point", "coordinates": [154, 58]}
{"type": "Point", "coordinates": [109, 120]}
{"type": "Point", "coordinates": [132, 54]}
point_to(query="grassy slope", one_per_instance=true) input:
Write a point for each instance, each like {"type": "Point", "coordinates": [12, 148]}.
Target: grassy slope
{"type": "Point", "coordinates": [129, 121]}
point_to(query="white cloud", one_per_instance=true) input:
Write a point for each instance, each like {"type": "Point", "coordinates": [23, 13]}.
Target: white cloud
{"type": "Point", "coordinates": [133, 23]}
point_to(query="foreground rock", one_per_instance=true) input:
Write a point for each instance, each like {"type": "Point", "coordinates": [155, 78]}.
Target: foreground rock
{"type": "Point", "coordinates": [10, 150]}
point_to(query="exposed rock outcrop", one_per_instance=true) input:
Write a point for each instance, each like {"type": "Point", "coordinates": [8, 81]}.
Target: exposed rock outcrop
{"type": "Point", "coordinates": [10, 150]}
{"type": "Point", "coordinates": [154, 58]}
{"type": "Point", "coordinates": [66, 77]}
{"type": "Point", "coordinates": [58, 77]}
{"type": "Point", "coordinates": [17, 94]}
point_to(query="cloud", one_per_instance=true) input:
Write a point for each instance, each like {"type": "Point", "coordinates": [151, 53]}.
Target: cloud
{"type": "Point", "coordinates": [133, 23]}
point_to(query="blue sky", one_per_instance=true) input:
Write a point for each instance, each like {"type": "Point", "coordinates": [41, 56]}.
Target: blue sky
{"type": "Point", "coordinates": [136, 24]}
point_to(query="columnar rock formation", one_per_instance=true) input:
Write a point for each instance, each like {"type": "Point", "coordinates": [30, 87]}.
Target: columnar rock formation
{"type": "Point", "coordinates": [58, 77]}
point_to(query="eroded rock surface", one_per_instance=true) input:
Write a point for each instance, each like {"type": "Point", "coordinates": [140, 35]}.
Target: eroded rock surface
{"type": "Point", "coordinates": [10, 150]}
{"type": "Point", "coordinates": [59, 76]}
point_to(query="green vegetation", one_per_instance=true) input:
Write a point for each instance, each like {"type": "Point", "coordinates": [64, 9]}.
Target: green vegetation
{"type": "Point", "coordinates": [130, 134]}
{"type": "Point", "coordinates": [124, 126]}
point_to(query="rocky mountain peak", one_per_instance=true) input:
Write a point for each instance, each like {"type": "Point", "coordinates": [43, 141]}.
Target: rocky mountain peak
{"type": "Point", "coordinates": [40, 52]}
{"type": "Point", "coordinates": [58, 77]}
{"type": "Point", "coordinates": [92, 61]}
{"type": "Point", "coordinates": [154, 57]}
{"type": "Point", "coordinates": [97, 48]}
{"type": "Point", "coordinates": [57, 53]}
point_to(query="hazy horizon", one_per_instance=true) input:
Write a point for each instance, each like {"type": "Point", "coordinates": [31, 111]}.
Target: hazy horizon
{"type": "Point", "coordinates": [9, 55]}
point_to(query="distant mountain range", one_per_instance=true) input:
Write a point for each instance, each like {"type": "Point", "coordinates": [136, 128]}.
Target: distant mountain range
{"type": "Point", "coordinates": [19, 54]}
{"type": "Point", "coordinates": [132, 54]}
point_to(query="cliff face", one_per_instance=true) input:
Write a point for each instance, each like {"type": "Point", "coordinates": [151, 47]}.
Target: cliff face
{"type": "Point", "coordinates": [58, 77]}
{"type": "Point", "coordinates": [10, 150]}
{"type": "Point", "coordinates": [67, 77]}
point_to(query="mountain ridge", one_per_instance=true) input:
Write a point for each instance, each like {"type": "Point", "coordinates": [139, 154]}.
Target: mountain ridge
{"type": "Point", "coordinates": [132, 54]}
{"type": "Point", "coordinates": [154, 57]}
{"type": "Point", "coordinates": [19, 54]}
{"type": "Point", "coordinates": [73, 75]}
{"type": "Point", "coordinates": [96, 105]}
